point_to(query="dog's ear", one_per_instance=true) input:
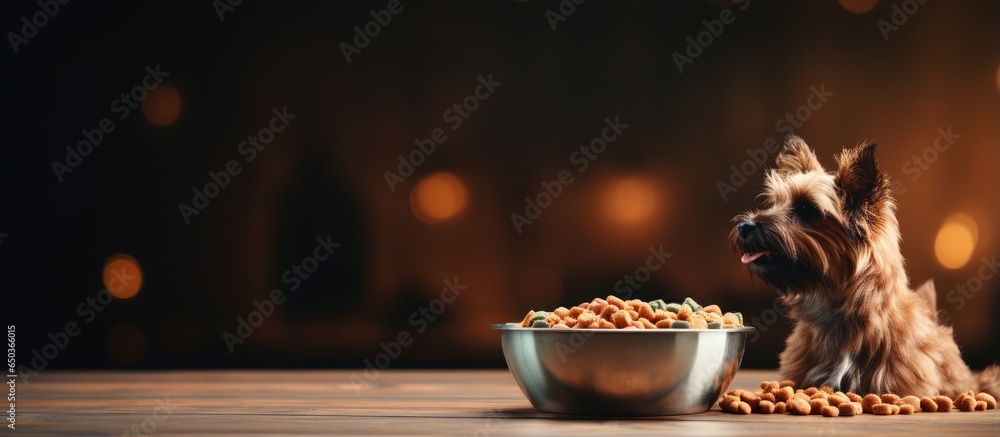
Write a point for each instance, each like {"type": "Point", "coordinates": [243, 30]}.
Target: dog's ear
{"type": "Point", "coordinates": [796, 156]}
{"type": "Point", "coordinates": [862, 185]}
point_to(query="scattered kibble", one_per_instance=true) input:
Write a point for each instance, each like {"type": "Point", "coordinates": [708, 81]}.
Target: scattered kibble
{"type": "Point", "coordinates": [797, 406]}
{"type": "Point", "coordinates": [830, 411]}
{"type": "Point", "coordinates": [882, 409]}
{"type": "Point", "coordinates": [775, 397]}
{"type": "Point", "coordinates": [615, 313]}
{"type": "Point", "coordinates": [991, 402]}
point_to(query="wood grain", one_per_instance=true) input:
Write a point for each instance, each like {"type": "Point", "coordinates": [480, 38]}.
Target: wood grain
{"type": "Point", "coordinates": [439, 402]}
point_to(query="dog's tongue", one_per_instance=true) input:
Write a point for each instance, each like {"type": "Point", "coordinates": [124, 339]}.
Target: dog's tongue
{"type": "Point", "coordinates": [751, 257]}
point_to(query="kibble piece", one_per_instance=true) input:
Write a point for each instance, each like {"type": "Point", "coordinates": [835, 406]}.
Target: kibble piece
{"type": "Point", "coordinates": [889, 398]}
{"type": "Point", "coordinates": [621, 318]}
{"type": "Point", "coordinates": [560, 325]}
{"type": "Point", "coordinates": [697, 322]}
{"type": "Point", "coordinates": [991, 402]}
{"type": "Point", "coordinates": [966, 403]}
{"type": "Point", "coordinates": [787, 383]}
{"type": "Point", "coordinates": [830, 411]}
{"type": "Point", "coordinates": [816, 405]}
{"type": "Point", "coordinates": [854, 397]}
{"type": "Point", "coordinates": [691, 303]}
{"type": "Point", "coordinates": [802, 396]}
{"type": "Point", "coordinates": [647, 324]}
{"type": "Point", "coordinates": [944, 404]}
{"type": "Point", "coordinates": [729, 403]}
{"type": "Point", "coordinates": [849, 408]}
{"type": "Point", "coordinates": [767, 407]}
{"type": "Point", "coordinates": [910, 400]}
{"type": "Point", "coordinates": [715, 325]}
{"type": "Point", "coordinates": [810, 391]}
{"type": "Point", "coordinates": [616, 301]}
{"type": "Point", "coordinates": [680, 324]}
{"type": "Point", "coordinates": [539, 324]}
{"type": "Point", "coordinates": [798, 406]}
{"type": "Point", "coordinates": [980, 405]}
{"type": "Point", "coordinates": [779, 407]}
{"type": "Point", "coordinates": [664, 324]}
{"type": "Point", "coordinates": [784, 394]}
{"type": "Point", "coordinates": [894, 408]}
{"type": "Point", "coordinates": [870, 401]}
{"type": "Point", "coordinates": [836, 399]}
{"type": "Point", "coordinates": [744, 408]}
{"type": "Point", "coordinates": [927, 404]}
{"type": "Point", "coordinates": [882, 409]}
{"type": "Point", "coordinates": [826, 389]}
{"type": "Point", "coordinates": [906, 409]}
{"type": "Point", "coordinates": [767, 397]}
{"type": "Point", "coordinates": [819, 395]}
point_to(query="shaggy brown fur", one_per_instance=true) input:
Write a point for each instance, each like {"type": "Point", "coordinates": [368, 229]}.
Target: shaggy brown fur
{"type": "Point", "coordinates": [829, 241]}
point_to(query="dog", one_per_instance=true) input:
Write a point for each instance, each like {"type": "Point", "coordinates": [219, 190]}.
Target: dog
{"type": "Point", "coordinates": [829, 242]}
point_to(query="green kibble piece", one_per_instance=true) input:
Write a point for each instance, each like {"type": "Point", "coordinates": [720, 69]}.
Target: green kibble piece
{"type": "Point", "coordinates": [694, 305]}
{"type": "Point", "coordinates": [539, 315]}
{"type": "Point", "coordinates": [680, 324]}
{"type": "Point", "coordinates": [739, 316]}
{"type": "Point", "coordinates": [673, 307]}
{"type": "Point", "coordinates": [658, 304]}
{"type": "Point", "coordinates": [539, 324]}
{"type": "Point", "coordinates": [715, 325]}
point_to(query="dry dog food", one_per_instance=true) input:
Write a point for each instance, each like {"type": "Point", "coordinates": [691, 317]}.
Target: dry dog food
{"type": "Point", "coordinates": [615, 313]}
{"type": "Point", "coordinates": [775, 397]}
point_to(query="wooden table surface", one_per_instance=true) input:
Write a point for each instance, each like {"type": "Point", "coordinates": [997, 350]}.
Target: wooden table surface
{"type": "Point", "coordinates": [440, 402]}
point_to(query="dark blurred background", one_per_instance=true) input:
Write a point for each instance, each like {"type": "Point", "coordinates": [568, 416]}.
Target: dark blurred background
{"type": "Point", "coordinates": [833, 72]}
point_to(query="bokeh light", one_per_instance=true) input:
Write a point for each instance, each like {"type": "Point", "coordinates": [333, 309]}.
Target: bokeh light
{"type": "Point", "coordinates": [162, 105]}
{"type": "Point", "coordinates": [859, 6]}
{"type": "Point", "coordinates": [438, 197]}
{"type": "Point", "coordinates": [540, 288]}
{"type": "Point", "coordinates": [998, 78]}
{"type": "Point", "coordinates": [122, 276]}
{"type": "Point", "coordinates": [629, 200]}
{"type": "Point", "coordinates": [956, 241]}
{"type": "Point", "coordinates": [126, 344]}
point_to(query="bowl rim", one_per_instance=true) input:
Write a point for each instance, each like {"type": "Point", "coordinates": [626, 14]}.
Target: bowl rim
{"type": "Point", "coordinates": [506, 327]}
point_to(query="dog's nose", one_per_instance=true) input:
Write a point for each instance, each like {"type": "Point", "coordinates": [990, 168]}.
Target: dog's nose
{"type": "Point", "coordinates": [746, 227]}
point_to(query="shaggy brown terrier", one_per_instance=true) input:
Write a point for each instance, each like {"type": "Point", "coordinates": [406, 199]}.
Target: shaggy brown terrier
{"type": "Point", "coordinates": [829, 241]}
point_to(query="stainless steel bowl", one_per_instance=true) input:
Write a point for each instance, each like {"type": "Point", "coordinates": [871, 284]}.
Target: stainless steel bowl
{"type": "Point", "coordinates": [616, 373]}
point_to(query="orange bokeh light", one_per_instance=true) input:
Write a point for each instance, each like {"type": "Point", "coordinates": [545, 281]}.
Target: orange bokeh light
{"type": "Point", "coordinates": [122, 276]}
{"type": "Point", "coordinates": [956, 241]}
{"type": "Point", "coordinates": [162, 105]}
{"type": "Point", "coordinates": [438, 197]}
{"type": "Point", "coordinates": [629, 200]}
{"type": "Point", "coordinates": [859, 6]}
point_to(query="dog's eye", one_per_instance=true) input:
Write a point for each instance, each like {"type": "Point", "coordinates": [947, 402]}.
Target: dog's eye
{"type": "Point", "coordinates": [806, 210]}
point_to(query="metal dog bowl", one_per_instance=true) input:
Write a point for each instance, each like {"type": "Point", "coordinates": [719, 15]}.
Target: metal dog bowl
{"type": "Point", "coordinates": [620, 373]}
